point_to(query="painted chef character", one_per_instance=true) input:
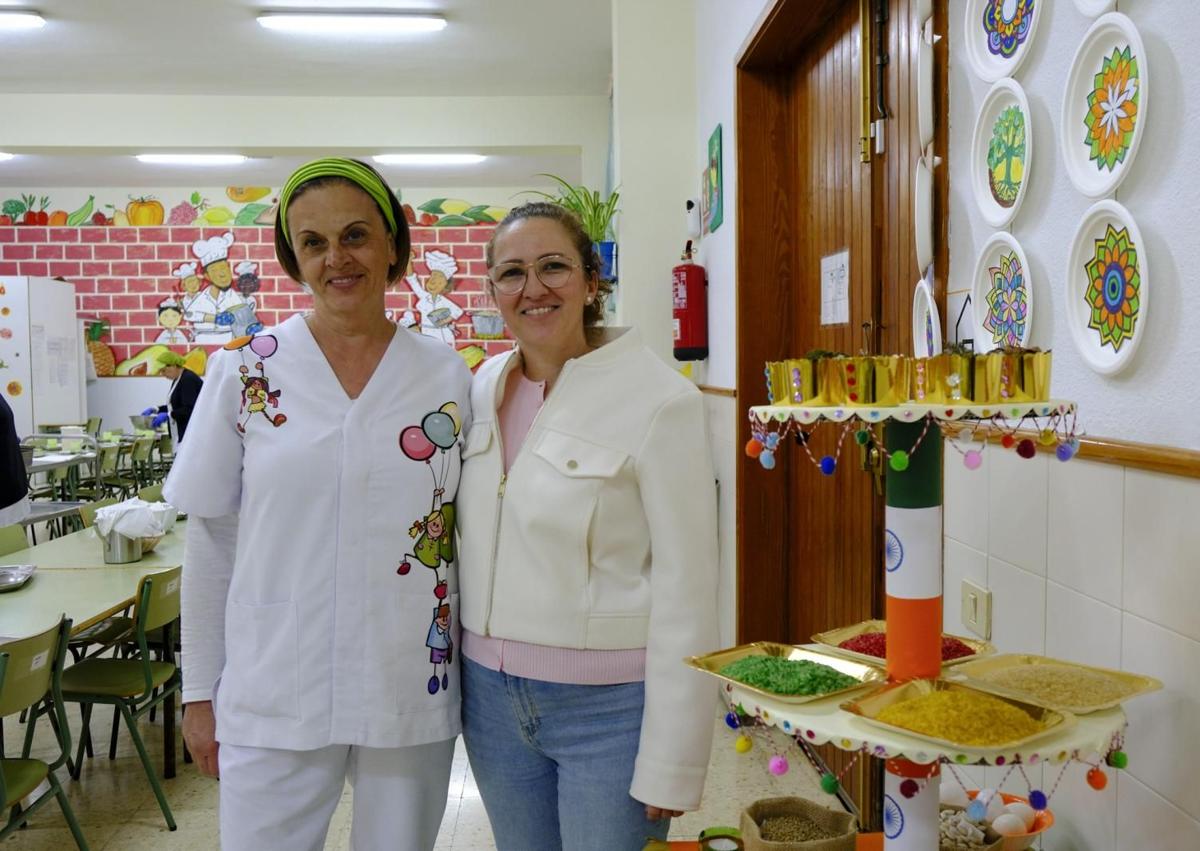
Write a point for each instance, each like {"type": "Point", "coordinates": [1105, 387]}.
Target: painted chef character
{"type": "Point", "coordinates": [247, 278]}
{"type": "Point", "coordinates": [438, 312]}
{"type": "Point", "coordinates": [219, 299]}
{"type": "Point", "coordinates": [189, 299]}
{"type": "Point", "coordinates": [441, 647]}
{"type": "Point", "coordinates": [170, 314]}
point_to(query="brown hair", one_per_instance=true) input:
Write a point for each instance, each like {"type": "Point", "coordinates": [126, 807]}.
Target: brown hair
{"type": "Point", "coordinates": [402, 239]}
{"type": "Point", "coordinates": [593, 314]}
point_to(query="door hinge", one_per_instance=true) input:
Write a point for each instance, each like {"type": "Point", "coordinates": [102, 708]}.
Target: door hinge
{"type": "Point", "coordinates": [877, 130]}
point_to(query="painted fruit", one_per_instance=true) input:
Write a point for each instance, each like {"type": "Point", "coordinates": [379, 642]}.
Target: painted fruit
{"type": "Point", "coordinates": [144, 212]}
{"type": "Point", "coordinates": [247, 194]}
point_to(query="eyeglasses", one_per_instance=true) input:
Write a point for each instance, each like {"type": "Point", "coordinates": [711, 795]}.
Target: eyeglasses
{"type": "Point", "coordinates": [554, 271]}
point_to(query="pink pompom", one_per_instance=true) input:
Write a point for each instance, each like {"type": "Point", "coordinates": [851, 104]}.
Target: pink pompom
{"type": "Point", "coordinates": [778, 765]}
{"type": "Point", "coordinates": [972, 459]}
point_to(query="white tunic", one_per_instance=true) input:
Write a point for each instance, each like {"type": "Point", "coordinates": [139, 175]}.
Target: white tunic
{"type": "Point", "coordinates": [325, 638]}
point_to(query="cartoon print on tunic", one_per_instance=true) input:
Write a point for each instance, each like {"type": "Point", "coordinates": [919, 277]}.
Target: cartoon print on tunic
{"type": "Point", "coordinates": [433, 546]}
{"type": "Point", "coordinates": [441, 647]}
{"type": "Point", "coordinates": [257, 395]}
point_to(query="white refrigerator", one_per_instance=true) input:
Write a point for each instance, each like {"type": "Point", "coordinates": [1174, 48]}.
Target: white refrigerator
{"type": "Point", "coordinates": [41, 353]}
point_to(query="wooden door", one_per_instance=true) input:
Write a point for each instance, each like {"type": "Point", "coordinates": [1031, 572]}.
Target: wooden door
{"type": "Point", "coordinates": [809, 544]}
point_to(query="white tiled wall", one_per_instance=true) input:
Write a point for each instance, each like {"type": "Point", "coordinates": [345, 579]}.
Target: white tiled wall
{"type": "Point", "coordinates": [1098, 564]}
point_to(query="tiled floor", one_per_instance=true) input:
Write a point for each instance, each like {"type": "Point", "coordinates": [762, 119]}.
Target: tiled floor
{"type": "Point", "coordinates": [117, 809]}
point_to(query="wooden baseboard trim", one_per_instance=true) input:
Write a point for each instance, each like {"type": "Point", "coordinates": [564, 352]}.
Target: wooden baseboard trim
{"type": "Point", "coordinates": [1157, 458]}
{"type": "Point", "coordinates": [718, 391]}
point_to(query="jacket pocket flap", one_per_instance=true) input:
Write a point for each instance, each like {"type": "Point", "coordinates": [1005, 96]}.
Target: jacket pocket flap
{"type": "Point", "coordinates": [578, 458]}
{"type": "Point", "coordinates": [479, 438]}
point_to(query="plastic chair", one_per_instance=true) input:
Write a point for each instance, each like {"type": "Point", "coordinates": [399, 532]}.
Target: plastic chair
{"type": "Point", "coordinates": [130, 684]}
{"type": "Point", "coordinates": [12, 539]}
{"type": "Point", "coordinates": [93, 426]}
{"type": "Point", "coordinates": [31, 668]}
{"type": "Point", "coordinates": [151, 493]}
{"type": "Point", "coordinates": [87, 511]}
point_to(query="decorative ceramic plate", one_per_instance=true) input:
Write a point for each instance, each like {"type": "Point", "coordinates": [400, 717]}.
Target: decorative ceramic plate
{"type": "Point", "coordinates": [1092, 8]}
{"type": "Point", "coordinates": [1001, 152]}
{"type": "Point", "coordinates": [925, 91]}
{"type": "Point", "coordinates": [926, 323]}
{"type": "Point", "coordinates": [924, 10]}
{"type": "Point", "coordinates": [999, 33]}
{"type": "Point", "coordinates": [1107, 287]}
{"type": "Point", "coordinates": [923, 215]}
{"type": "Point", "coordinates": [1001, 295]}
{"type": "Point", "coordinates": [1104, 108]}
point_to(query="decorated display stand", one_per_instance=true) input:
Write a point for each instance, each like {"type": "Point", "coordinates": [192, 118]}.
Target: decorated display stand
{"type": "Point", "coordinates": [911, 437]}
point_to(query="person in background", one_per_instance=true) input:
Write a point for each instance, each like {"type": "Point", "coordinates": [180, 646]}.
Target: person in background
{"type": "Point", "coordinates": [318, 449]}
{"type": "Point", "coordinates": [185, 390]}
{"type": "Point", "coordinates": [14, 480]}
{"type": "Point", "coordinates": [587, 515]}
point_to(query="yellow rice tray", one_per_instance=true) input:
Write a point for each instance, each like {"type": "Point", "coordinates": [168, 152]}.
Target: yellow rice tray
{"type": "Point", "coordinates": [712, 663]}
{"type": "Point", "coordinates": [831, 638]}
{"type": "Point", "coordinates": [979, 673]}
{"type": "Point", "coordinates": [870, 705]}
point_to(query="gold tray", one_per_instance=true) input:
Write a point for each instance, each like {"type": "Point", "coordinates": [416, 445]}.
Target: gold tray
{"type": "Point", "coordinates": [713, 662]}
{"type": "Point", "coordinates": [976, 670]}
{"type": "Point", "coordinates": [831, 638]}
{"type": "Point", "coordinates": [870, 705]}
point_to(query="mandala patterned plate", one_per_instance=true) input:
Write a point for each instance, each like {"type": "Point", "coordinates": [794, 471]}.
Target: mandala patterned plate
{"type": "Point", "coordinates": [1001, 295]}
{"type": "Point", "coordinates": [1001, 152]}
{"type": "Point", "coordinates": [998, 34]}
{"type": "Point", "coordinates": [1104, 106]}
{"type": "Point", "coordinates": [1107, 287]}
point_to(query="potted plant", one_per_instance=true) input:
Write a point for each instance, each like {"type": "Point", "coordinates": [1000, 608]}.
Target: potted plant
{"type": "Point", "coordinates": [597, 217]}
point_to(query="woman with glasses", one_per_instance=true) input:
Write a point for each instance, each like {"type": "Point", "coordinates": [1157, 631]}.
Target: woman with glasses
{"type": "Point", "coordinates": [588, 561]}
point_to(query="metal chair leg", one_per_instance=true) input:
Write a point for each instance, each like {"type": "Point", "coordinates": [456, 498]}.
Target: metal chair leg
{"type": "Point", "coordinates": [151, 774]}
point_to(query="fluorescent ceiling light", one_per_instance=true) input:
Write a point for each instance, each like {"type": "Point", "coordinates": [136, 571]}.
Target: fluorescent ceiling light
{"type": "Point", "coordinates": [5, 157]}
{"type": "Point", "coordinates": [351, 24]}
{"type": "Point", "coordinates": [21, 21]}
{"type": "Point", "coordinates": [429, 159]}
{"type": "Point", "coordinates": [192, 159]}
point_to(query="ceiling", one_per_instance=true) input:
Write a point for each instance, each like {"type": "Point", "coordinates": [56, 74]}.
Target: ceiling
{"type": "Point", "coordinates": [490, 47]}
{"type": "Point", "coordinates": [205, 47]}
{"type": "Point", "coordinates": [503, 168]}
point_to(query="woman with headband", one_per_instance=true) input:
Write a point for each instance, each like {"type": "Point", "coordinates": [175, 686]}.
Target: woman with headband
{"type": "Point", "coordinates": [312, 653]}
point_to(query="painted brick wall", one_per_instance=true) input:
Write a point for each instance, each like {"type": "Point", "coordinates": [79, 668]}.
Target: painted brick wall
{"type": "Point", "coordinates": [122, 274]}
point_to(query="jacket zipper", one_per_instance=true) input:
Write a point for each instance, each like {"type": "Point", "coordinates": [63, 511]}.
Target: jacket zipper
{"type": "Point", "coordinates": [487, 618]}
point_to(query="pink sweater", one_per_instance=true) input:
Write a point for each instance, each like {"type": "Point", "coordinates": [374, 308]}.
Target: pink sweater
{"type": "Point", "coordinates": [521, 402]}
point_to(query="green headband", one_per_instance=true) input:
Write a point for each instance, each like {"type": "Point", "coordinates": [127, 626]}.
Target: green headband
{"type": "Point", "coordinates": [351, 170]}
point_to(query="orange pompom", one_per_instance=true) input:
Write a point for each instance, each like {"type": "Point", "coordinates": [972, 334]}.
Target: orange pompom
{"type": "Point", "coordinates": [754, 448]}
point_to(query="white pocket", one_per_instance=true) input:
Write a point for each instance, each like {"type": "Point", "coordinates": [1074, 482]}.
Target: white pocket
{"type": "Point", "coordinates": [262, 663]}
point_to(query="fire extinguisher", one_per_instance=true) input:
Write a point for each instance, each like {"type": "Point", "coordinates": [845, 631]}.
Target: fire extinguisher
{"type": "Point", "coordinates": [690, 308]}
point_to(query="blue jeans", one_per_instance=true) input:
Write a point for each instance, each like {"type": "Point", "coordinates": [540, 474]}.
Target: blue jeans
{"type": "Point", "coordinates": [553, 762]}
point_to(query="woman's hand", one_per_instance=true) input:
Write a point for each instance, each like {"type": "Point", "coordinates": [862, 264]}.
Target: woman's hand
{"type": "Point", "coordinates": [656, 813]}
{"type": "Point", "coordinates": [200, 735]}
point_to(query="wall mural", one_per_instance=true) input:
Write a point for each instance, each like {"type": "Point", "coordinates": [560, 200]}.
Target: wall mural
{"type": "Point", "coordinates": [190, 275]}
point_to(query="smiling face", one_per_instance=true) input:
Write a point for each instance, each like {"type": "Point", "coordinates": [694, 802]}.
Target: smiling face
{"type": "Point", "coordinates": [541, 318]}
{"type": "Point", "coordinates": [436, 525]}
{"type": "Point", "coordinates": [343, 249]}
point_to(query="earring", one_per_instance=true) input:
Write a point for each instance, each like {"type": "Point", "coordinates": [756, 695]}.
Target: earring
{"type": "Point", "coordinates": [589, 299]}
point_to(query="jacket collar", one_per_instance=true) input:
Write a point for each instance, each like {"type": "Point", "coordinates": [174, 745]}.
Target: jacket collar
{"type": "Point", "coordinates": [615, 343]}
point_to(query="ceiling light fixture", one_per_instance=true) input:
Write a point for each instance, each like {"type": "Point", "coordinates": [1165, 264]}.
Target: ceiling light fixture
{"type": "Point", "coordinates": [4, 157]}
{"type": "Point", "coordinates": [429, 159]}
{"type": "Point", "coordinates": [192, 159]}
{"type": "Point", "coordinates": [10, 20]}
{"type": "Point", "coordinates": [350, 24]}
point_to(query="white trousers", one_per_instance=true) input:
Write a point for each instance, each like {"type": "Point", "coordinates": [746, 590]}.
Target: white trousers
{"type": "Point", "coordinates": [279, 799]}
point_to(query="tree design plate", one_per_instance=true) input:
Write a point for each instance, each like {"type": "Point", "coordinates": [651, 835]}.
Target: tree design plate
{"type": "Point", "coordinates": [1107, 287]}
{"type": "Point", "coordinates": [1001, 152]}
{"type": "Point", "coordinates": [1104, 108]}
{"type": "Point", "coordinates": [1001, 295]}
{"type": "Point", "coordinates": [998, 34]}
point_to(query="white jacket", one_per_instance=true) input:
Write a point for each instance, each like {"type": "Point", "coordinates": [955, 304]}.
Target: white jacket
{"type": "Point", "coordinates": [603, 537]}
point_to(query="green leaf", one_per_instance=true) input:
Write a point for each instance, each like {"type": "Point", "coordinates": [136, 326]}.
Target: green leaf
{"type": "Point", "coordinates": [434, 205]}
{"type": "Point", "coordinates": [246, 216]}
{"type": "Point", "coordinates": [477, 214]}
{"type": "Point", "coordinates": [453, 221]}
{"type": "Point", "coordinates": [195, 199]}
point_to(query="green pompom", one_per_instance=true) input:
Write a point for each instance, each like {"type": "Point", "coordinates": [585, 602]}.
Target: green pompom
{"type": "Point", "coordinates": [862, 436]}
{"type": "Point", "coordinates": [899, 461]}
{"type": "Point", "coordinates": [1118, 759]}
{"type": "Point", "coordinates": [829, 783]}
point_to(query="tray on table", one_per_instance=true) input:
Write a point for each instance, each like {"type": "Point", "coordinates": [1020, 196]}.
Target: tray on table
{"type": "Point", "coordinates": [712, 663]}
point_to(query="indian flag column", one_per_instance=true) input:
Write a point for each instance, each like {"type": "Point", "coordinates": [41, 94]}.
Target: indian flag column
{"type": "Point", "coordinates": [913, 562]}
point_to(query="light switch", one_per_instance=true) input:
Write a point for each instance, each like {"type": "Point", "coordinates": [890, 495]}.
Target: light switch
{"type": "Point", "coordinates": [977, 609]}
